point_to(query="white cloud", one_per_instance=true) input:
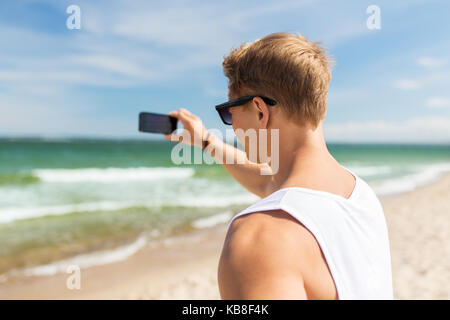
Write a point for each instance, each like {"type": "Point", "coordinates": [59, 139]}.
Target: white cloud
{"type": "Point", "coordinates": [125, 43]}
{"type": "Point", "coordinates": [122, 44]}
{"type": "Point", "coordinates": [438, 102]}
{"type": "Point", "coordinates": [206, 25]}
{"type": "Point", "coordinates": [110, 63]}
{"type": "Point", "coordinates": [406, 84]}
{"type": "Point", "coordinates": [431, 129]}
{"type": "Point", "coordinates": [59, 77]}
{"type": "Point", "coordinates": [431, 62]}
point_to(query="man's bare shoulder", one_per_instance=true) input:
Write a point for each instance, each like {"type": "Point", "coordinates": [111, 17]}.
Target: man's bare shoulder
{"type": "Point", "coordinates": [275, 226]}
{"type": "Point", "coordinates": [258, 256]}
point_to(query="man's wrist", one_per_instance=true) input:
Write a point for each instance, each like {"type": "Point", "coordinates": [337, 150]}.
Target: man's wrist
{"type": "Point", "coordinates": [206, 140]}
{"type": "Point", "coordinates": [211, 141]}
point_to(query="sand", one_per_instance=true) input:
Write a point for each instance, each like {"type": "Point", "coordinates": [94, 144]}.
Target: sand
{"type": "Point", "coordinates": [185, 267]}
{"type": "Point", "coordinates": [419, 231]}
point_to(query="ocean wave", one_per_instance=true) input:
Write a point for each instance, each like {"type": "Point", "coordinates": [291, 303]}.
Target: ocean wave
{"type": "Point", "coordinates": [212, 195]}
{"type": "Point", "coordinates": [108, 175]}
{"type": "Point", "coordinates": [18, 179]}
{"type": "Point", "coordinates": [213, 201]}
{"type": "Point", "coordinates": [423, 175]}
{"type": "Point", "coordinates": [367, 171]}
{"type": "Point", "coordinates": [212, 221]}
{"type": "Point", "coordinates": [20, 213]}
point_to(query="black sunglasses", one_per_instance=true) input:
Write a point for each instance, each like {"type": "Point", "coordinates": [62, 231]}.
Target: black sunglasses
{"type": "Point", "coordinates": [224, 112]}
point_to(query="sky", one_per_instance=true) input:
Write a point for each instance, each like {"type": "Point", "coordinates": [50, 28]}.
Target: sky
{"type": "Point", "coordinates": [388, 85]}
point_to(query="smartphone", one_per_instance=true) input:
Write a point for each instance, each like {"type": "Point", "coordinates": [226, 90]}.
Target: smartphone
{"type": "Point", "coordinates": [157, 123]}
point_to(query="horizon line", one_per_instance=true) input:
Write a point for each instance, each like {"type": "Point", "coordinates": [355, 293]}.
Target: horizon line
{"type": "Point", "coordinates": [156, 138]}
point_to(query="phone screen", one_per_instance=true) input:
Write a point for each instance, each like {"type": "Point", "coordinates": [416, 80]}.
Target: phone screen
{"type": "Point", "coordinates": [157, 123]}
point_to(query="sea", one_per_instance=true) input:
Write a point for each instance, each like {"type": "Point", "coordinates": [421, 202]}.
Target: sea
{"type": "Point", "coordinates": [87, 202]}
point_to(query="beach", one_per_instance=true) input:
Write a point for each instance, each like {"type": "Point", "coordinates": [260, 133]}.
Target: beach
{"type": "Point", "coordinates": [185, 266]}
{"type": "Point", "coordinates": [120, 123]}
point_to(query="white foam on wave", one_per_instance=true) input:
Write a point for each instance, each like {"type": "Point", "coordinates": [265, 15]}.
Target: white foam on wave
{"type": "Point", "coordinates": [212, 201]}
{"type": "Point", "coordinates": [212, 221]}
{"type": "Point", "coordinates": [20, 213]}
{"type": "Point", "coordinates": [11, 214]}
{"type": "Point", "coordinates": [367, 171]}
{"type": "Point", "coordinates": [85, 260]}
{"type": "Point", "coordinates": [423, 175]}
{"type": "Point", "coordinates": [108, 175]}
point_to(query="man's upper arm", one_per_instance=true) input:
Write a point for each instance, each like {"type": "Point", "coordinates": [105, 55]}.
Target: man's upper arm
{"type": "Point", "coordinates": [261, 259]}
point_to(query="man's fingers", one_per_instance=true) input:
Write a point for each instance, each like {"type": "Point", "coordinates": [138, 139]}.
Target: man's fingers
{"type": "Point", "coordinates": [184, 111]}
{"type": "Point", "coordinates": [172, 137]}
{"type": "Point", "coordinates": [187, 113]}
{"type": "Point", "coordinates": [173, 113]}
{"type": "Point", "coordinates": [184, 117]}
{"type": "Point", "coordinates": [190, 122]}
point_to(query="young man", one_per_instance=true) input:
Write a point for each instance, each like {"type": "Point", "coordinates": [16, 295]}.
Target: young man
{"type": "Point", "coordinates": [319, 230]}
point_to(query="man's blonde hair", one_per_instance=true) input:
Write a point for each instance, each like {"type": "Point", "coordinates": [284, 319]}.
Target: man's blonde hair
{"type": "Point", "coordinates": [286, 67]}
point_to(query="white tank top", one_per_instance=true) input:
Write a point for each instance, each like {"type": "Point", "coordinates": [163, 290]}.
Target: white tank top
{"type": "Point", "coordinates": [352, 234]}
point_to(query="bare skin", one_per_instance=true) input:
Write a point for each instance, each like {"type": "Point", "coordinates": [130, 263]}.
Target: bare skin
{"type": "Point", "coordinates": [269, 254]}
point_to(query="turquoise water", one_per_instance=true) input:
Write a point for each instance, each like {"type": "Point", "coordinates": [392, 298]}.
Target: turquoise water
{"type": "Point", "coordinates": [60, 199]}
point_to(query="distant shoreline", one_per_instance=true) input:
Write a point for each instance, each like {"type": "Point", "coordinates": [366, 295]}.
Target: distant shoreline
{"type": "Point", "coordinates": [159, 138]}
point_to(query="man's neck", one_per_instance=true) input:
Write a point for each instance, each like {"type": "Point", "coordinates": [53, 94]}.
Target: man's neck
{"type": "Point", "coordinates": [299, 150]}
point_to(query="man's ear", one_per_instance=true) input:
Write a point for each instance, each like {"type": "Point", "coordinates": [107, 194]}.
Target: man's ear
{"type": "Point", "coordinates": [263, 112]}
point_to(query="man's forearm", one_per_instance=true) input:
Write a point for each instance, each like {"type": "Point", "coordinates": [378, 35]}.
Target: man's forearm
{"type": "Point", "coordinates": [247, 173]}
